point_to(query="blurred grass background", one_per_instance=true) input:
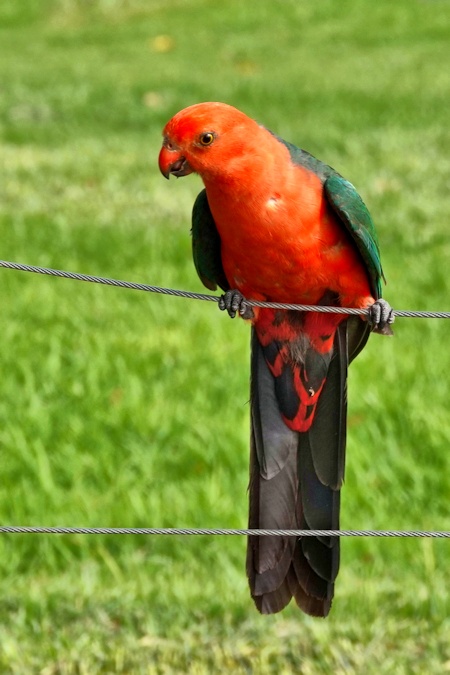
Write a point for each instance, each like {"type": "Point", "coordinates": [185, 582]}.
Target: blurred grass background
{"type": "Point", "coordinates": [123, 409]}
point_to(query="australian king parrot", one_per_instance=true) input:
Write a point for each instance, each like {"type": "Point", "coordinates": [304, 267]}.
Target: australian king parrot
{"type": "Point", "coordinates": [274, 223]}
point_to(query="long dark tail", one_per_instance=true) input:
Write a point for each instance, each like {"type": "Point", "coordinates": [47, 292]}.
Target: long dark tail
{"type": "Point", "coordinates": [295, 481]}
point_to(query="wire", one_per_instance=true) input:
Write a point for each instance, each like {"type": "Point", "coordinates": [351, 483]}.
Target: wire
{"type": "Point", "coordinates": [211, 298]}
{"type": "Point", "coordinates": [214, 298]}
{"type": "Point", "coordinates": [9, 529]}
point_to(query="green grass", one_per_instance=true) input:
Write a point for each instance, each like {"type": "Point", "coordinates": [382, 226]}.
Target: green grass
{"type": "Point", "coordinates": [122, 409]}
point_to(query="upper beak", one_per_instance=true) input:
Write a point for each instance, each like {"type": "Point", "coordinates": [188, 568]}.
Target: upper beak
{"type": "Point", "coordinates": [172, 162]}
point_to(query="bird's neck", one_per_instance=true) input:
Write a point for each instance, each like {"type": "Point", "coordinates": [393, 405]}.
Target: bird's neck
{"type": "Point", "coordinates": [250, 177]}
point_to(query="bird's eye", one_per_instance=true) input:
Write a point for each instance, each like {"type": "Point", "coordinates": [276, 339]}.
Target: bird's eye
{"type": "Point", "coordinates": [207, 139]}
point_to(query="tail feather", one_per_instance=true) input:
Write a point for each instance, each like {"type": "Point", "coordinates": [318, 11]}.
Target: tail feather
{"type": "Point", "coordinates": [310, 600]}
{"type": "Point", "coordinates": [327, 436]}
{"type": "Point", "coordinates": [322, 559]}
{"type": "Point", "coordinates": [320, 503]}
{"type": "Point", "coordinates": [269, 558]}
{"type": "Point", "coordinates": [275, 601]}
{"type": "Point", "coordinates": [311, 583]}
{"type": "Point", "coordinates": [294, 484]}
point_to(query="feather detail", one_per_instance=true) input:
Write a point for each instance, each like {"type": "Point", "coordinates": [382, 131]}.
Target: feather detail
{"type": "Point", "coordinates": [288, 491]}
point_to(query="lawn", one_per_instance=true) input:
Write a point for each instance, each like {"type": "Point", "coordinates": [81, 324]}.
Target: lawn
{"type": "Point", "coordinates": [124, 409]}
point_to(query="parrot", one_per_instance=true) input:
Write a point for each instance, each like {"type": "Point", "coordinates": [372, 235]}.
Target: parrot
{"type": "Point", "coordinates": [275, 224]}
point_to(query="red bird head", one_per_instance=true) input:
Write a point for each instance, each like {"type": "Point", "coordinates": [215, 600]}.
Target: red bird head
{"type": "Point", "coordinates": [205, 138]}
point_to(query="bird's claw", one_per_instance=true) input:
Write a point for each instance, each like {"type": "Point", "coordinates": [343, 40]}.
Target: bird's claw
{"type": "Point", "coordinates": [234, 301]}
{"type": "Point", "coordinates": [381, 316]}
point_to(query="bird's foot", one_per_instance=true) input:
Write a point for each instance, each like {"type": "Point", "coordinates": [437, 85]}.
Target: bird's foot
{"type": "Point", "coordinates": [233, 301]}
{"type": "Point", "coordinates": [381, 316]}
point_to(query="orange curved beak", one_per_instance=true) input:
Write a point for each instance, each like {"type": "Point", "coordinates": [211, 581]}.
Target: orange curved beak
{"type": "Point", "coordinates": [173, 163]}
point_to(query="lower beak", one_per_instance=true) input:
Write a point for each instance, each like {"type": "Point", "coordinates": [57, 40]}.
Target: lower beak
{"type": "Point", "coordinates": [173, 164]}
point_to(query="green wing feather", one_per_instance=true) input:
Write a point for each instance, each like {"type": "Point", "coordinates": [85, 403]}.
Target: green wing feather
{"type": "Point", "coordinates": [352, 211]}
{"type": "Point", "coordinates": [206, 246]}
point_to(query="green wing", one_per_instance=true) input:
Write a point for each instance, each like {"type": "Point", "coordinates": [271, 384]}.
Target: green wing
{"type": "Point", "coordinates": [352, 211]}
{"type": "Point", "coordinates": [206, 246]}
